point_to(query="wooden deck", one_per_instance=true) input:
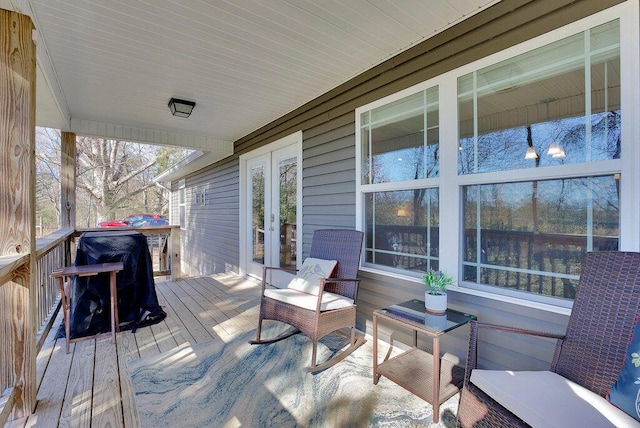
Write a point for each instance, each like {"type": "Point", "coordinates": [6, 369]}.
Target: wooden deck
{"type": "Point", "coordinates": [89, 387]}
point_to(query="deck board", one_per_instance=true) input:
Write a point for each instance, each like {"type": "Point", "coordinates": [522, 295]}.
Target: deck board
{"type": "Point", "coordinates": [90, 386]}
{"type": "Point", "coordinates": [106, 410]}
{"type": "Point", "coordinates": [76, 407]}
{"type": "Point", "coordinates": [191, 322]}
{"type": "Point", "coordinates": [127, 350]}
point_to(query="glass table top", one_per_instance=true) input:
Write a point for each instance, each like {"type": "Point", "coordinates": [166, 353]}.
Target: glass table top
{"type": "Point", "coordinates": [414, 313]}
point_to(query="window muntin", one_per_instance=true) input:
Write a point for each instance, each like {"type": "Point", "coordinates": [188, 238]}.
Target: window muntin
{"type": "Point", "coordinates": [402, 229]}
{"type": "Point", "coordinates": [531, 236]}
{"type": "Point", "coordinates": [562, 100]}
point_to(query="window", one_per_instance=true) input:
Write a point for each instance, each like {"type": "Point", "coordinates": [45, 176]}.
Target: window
{"type": "Point", "coordinates": [558, 105]}
{"type": "Point", "coordinates": [512, 179]}
{"type": "Point", "coordinates": [200, 196]}
{"type": "Point", "coordinates": [531, 236]}
{"type": "Point", "coordinates": [400, 166]}
{"type": "Point", "coordinates": [182, 201]}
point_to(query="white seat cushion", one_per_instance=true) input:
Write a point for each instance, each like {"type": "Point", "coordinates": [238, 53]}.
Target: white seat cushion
{"type": "Point", "coordinates": [330, 301]}
{"type": "Point", "coordinates": [546, 399]}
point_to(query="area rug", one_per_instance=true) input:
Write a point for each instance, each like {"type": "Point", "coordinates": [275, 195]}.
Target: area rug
{"type": "Point", "coordinates": [235, 384]}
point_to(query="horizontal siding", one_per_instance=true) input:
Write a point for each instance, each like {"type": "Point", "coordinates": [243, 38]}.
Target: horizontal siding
{"type": "Point", "coordinates": [211, 241]}
{"type": "Point", "coordinates": [328, 171]}
{"type": "Point", "coordinates": [328, 194]}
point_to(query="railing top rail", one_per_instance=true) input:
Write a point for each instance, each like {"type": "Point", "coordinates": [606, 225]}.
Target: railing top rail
{"type": "Point", "coordinates": [52, 240]}
{"type": "Point", "coordinates": [9, 264]}
{"type": "Point", "coordinates": [147, 230]}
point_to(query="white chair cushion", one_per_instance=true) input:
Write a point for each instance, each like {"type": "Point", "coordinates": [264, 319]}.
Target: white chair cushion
{"type": "Point", "coordinates": [312, 272]}
{"type": "Point", "coordinates": [330, 301]}
{"type": "Point", "coordinates": [546, 399]}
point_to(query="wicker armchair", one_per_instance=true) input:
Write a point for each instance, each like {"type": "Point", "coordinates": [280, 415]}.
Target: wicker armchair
{"type": "Point", "coordinates": [329, 244]}
{"type": "Point", "coordinates": [591, 353]}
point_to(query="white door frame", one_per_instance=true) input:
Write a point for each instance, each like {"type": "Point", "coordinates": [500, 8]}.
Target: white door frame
{"type": "Point", "coordinates": [295, 142]}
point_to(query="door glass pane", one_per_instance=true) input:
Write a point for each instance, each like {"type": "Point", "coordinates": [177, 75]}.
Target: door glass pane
{"type": "Point", "coordinates": [288, 208]}
{"type": "Point", "coordinates": [257, 217]}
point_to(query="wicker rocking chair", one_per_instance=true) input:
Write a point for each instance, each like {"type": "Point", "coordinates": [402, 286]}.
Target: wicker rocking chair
{"type": "Point", "coordinates": [316, 319]}
{"type": "Point", "coordinates": [590, 354]}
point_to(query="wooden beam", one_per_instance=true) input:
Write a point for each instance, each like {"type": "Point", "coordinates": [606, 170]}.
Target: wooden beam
{"type": "Point", "coordinates": [68, 181]}
{"type": "Point", "coordinates": [175, 252]}
{"type": "Point", "coordinates": [17, 207]}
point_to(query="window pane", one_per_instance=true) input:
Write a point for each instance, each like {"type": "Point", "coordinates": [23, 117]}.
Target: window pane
{"type": "Point", "coordinates": [183, 217]}
{"type": "Point", "coordinates": [402, 229]}
{"type": "Point", "coordinates": [257, 213]}
{"type": "Point", "coordinates": [400, 139]}
{"type": "Point", "coordinates": [531, 236]}
{"type": "Point", "coordinates": [288, 210]}
{"type": "Point", "coordinates": [560, 102]}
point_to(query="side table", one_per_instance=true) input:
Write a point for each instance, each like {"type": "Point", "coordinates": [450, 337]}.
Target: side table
{"type": "Point", "coordinates": [64, 281]}
{"type": "Point", "coordinates": [430, 377]}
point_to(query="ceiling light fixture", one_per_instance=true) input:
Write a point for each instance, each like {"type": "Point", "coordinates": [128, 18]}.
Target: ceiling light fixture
{"type": "Point", "coordinates": [531, 153]}
{"type": "Point", "coordinates": [181, 108]}
{"type": "Point", "coordinates": [556, 151]}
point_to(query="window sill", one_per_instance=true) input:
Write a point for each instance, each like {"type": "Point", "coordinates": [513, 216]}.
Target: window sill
{"type": "Point", "coordinates": [511, 300]}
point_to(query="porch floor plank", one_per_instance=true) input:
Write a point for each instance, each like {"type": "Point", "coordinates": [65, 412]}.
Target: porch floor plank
{"type": "Point", "coordinates": [90, 386]}
{"type": "Point", "coordinates": [188, 319]}
{"type": "Point", "coordinates": [106, 409]}
{"type": "Point", "coordinates": [178, 333]}
{"type": "Point", "coordinates": [127, 350]}
{"type": "Point", "coordinates": [53, 366]}
{"type": "Point", "coordinates": [76, 407]}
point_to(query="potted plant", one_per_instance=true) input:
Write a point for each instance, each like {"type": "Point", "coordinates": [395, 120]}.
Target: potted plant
{"type": "Point", "coordinates": [435, 297]}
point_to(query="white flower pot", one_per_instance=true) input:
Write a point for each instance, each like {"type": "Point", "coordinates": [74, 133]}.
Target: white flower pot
{"type": "Point", "coordinates": [435, 303]}
{"type": "Point", "coordinates": [436, 321]}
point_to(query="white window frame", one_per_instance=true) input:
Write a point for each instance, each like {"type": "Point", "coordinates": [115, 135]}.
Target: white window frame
{"type": "Point", "coordinates": [182, 204]}
{"type": "Point", "coordinates": [450, 183]}
{"type": "Point", "coordinates": [200, 197]}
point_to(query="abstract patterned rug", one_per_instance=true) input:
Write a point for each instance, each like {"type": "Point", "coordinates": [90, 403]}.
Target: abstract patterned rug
{"type": "Point", "coordinates": [236, 384]}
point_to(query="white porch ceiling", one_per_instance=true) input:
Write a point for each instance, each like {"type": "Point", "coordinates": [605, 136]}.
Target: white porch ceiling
{"type": "Point", "coordinates": [109, 67]}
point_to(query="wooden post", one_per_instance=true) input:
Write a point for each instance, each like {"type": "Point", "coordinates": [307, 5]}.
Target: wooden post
{"type": "Point", "coordinates": [68, 181]}
{"type": "Point", "coordinates": [17, 206]}
{"type": "Point", "coordinates": [174, 250]}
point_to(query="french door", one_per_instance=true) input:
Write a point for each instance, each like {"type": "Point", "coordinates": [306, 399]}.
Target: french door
{"type": "Point", "coordinates": [269, 217]}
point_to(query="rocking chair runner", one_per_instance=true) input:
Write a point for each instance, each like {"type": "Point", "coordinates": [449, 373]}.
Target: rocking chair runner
{"type": "Point", "coordinates": [590, 354]}
{"type": "Point", "coordinates": [341, 245]}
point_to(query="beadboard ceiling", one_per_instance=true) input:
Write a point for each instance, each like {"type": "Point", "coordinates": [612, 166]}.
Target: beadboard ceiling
{"type": "Point", "coordinates": [110, 66]}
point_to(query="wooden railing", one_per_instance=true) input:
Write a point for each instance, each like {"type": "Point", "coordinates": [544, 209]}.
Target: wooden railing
{"type": "Point", "coordinates": [53, 251]}
{"type": "Point", "coordinates": [15, 368]}
{"type": "Point", "coordinates": [164, 246]}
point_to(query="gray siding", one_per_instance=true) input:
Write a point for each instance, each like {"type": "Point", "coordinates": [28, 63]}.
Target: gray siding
{"type": "Point", "coordinates": [210, 244]}
{"type": "Point", "coordinates": [328, 177]}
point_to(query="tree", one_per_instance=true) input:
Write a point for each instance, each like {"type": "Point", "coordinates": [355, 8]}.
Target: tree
{"type": "Point", "coordinates": [114, 178]}
{"type": "Point", "coordinates": [47, 179]}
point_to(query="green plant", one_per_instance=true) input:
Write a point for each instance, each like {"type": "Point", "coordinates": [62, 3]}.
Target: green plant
{"type": "Point", "coordinates": [437, 281]}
